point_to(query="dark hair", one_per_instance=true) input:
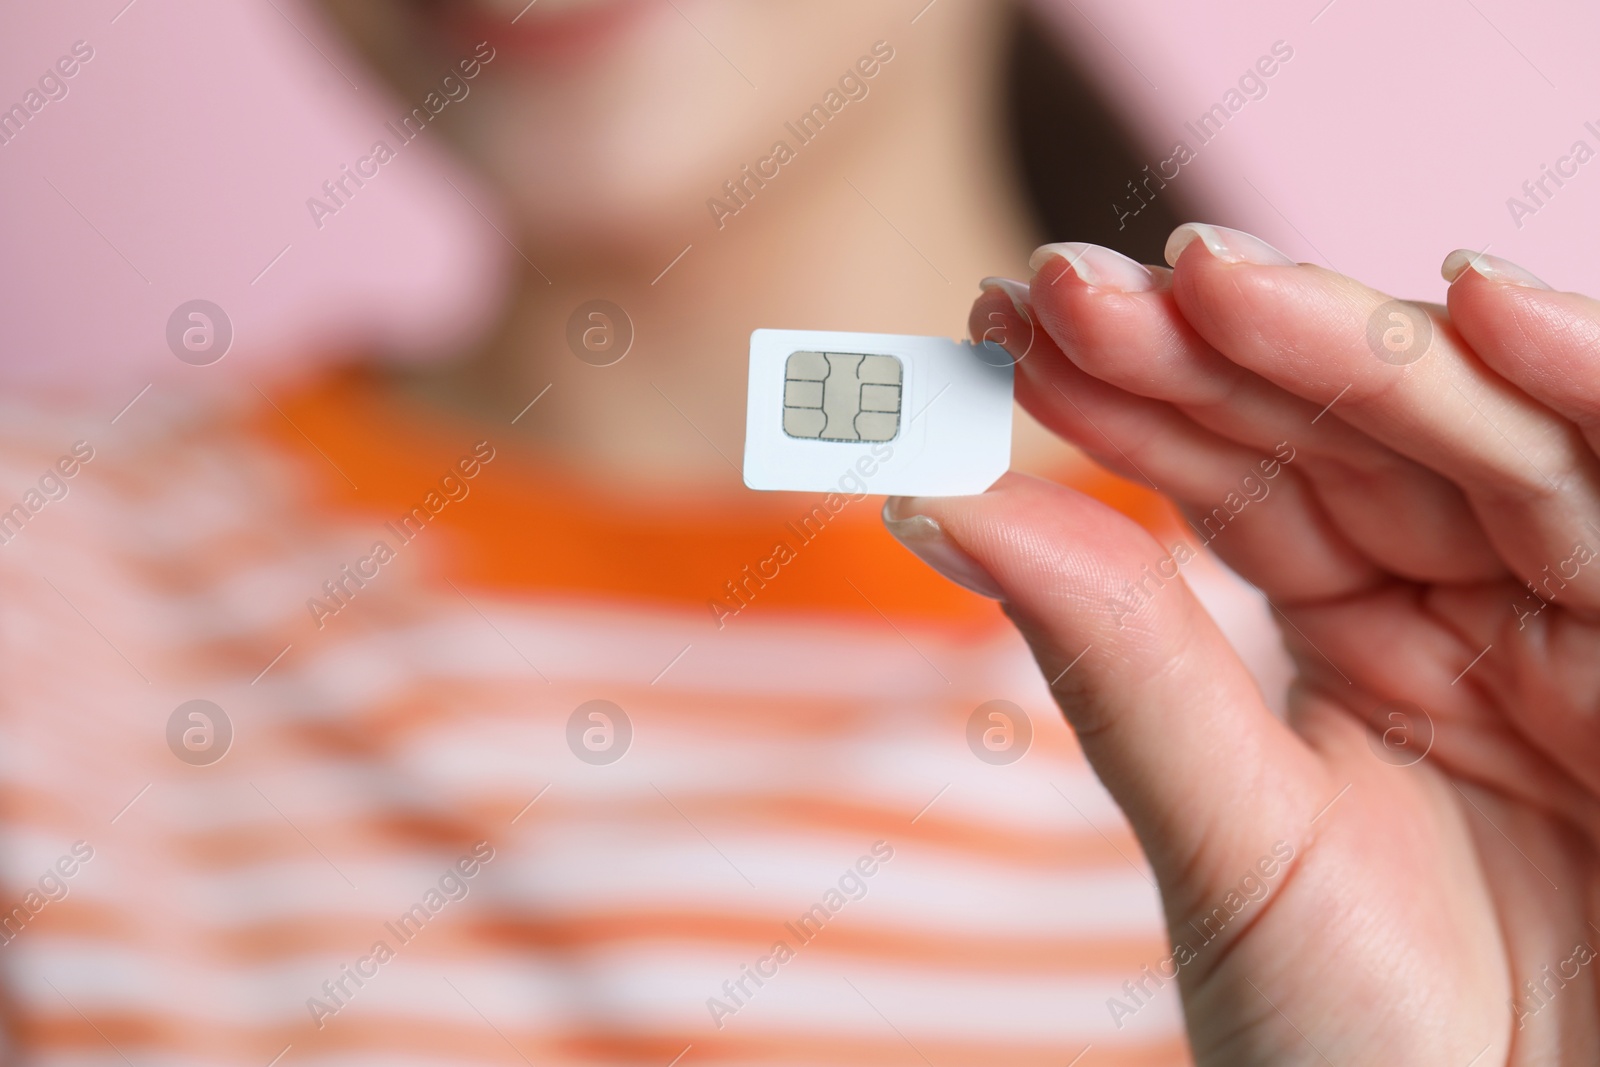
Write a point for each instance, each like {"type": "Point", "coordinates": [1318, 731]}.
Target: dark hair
{"type": "Point", "coordinates": [1074, 156]}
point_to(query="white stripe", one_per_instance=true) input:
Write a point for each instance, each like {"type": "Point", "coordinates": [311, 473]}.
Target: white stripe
{"type": "Point", "coordinates": [661, 988]}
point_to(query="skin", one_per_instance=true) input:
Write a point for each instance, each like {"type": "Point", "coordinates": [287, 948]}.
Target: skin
{"type": "Point", "coordinates": [1442, 857]}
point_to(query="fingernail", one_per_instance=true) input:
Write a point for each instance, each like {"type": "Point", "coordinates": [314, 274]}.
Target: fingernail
{"type": "Point", "coordinates": [1230, 246]}
{"type": "Point", "coordinates": [928, 541]}
{"type": "Point", "coordinates": [1017, 291]}
{"type": "Point", "coordinates": [1491, 267]}
{"type": "Point", "coordinates": [1101, 267]}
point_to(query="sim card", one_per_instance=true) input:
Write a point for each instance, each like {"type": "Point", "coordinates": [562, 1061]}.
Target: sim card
{"type": "Point", "coordinates": [889, 414]}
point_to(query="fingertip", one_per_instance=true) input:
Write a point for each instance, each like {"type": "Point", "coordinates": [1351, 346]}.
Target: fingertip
{"type": "Point", "coordinates": [1017, 292]}
{"type": "Point", "coordinates": [1178, 240]}
{"type": "Point", "coordinates": [1095, 266]}
{"type": "Point", "coordinates": [924, 537]}
{"type": "Point", "coordinates": [924, 526]}
{"type": "Point", "coordinates": [1224, 244]}
{"type": "Point", "coordinates": [1491, 268]}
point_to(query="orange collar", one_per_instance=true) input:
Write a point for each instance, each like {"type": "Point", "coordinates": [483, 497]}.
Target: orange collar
{"type": "Point", "coordinates": [523, 522]}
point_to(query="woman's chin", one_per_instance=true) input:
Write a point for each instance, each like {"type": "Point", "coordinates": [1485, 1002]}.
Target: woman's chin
{"type": "Point", "coordinates": [590, 231]}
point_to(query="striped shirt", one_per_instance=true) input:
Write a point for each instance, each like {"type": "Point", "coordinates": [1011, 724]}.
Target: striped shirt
{"type": "Point", "coordinates": [493, 766]}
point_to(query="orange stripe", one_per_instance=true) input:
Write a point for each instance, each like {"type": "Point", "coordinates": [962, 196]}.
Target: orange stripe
{"type": "Point", "coordinates": [473, 934]}
{"type": "Point", "coordinates": [527, 524]}
{"type": "Point", "coordinates": [23, 805]}
{"type": "Point", "coordinates": [736, 717]}
{"type": "Point", "coordinates": [477, 938]}
{"type": "Point", "coordinates": [248, 844]}
{"type": "Point", "coordinates": [75, 917]}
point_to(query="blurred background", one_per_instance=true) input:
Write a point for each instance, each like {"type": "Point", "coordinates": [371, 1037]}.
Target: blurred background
{"type": "Point", "coordinates": [179, 164]}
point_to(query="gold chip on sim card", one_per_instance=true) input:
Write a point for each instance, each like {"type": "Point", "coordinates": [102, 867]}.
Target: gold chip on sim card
{"type": "Point", "coordinates": [841, 396]}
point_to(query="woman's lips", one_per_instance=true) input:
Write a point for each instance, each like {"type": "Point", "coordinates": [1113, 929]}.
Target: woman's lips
{"type": "Point", "coordinates": [545, 29]}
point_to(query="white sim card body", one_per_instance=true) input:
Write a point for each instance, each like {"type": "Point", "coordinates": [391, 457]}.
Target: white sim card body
{"type": "Point", "coordinates": [906, 415]}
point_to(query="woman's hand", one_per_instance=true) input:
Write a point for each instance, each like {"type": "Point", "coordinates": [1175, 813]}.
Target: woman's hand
{"type": "Point", "coordinates": [1417, 492]}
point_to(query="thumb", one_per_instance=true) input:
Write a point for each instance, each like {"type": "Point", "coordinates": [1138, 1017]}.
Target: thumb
{"type": "Point", "coordinates": [1166, 712]}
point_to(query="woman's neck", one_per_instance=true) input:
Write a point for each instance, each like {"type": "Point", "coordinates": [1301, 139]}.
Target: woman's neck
{"type": "Point", "coordinates": [883, 223]}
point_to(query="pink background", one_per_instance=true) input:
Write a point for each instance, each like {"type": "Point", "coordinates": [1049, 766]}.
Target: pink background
{"type": "Point", "coordinates": [1395, 134]}
{"type": "Point", "coordinates": [192, 141]}
{"type": "Point", "coordinates": [194, 136]}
